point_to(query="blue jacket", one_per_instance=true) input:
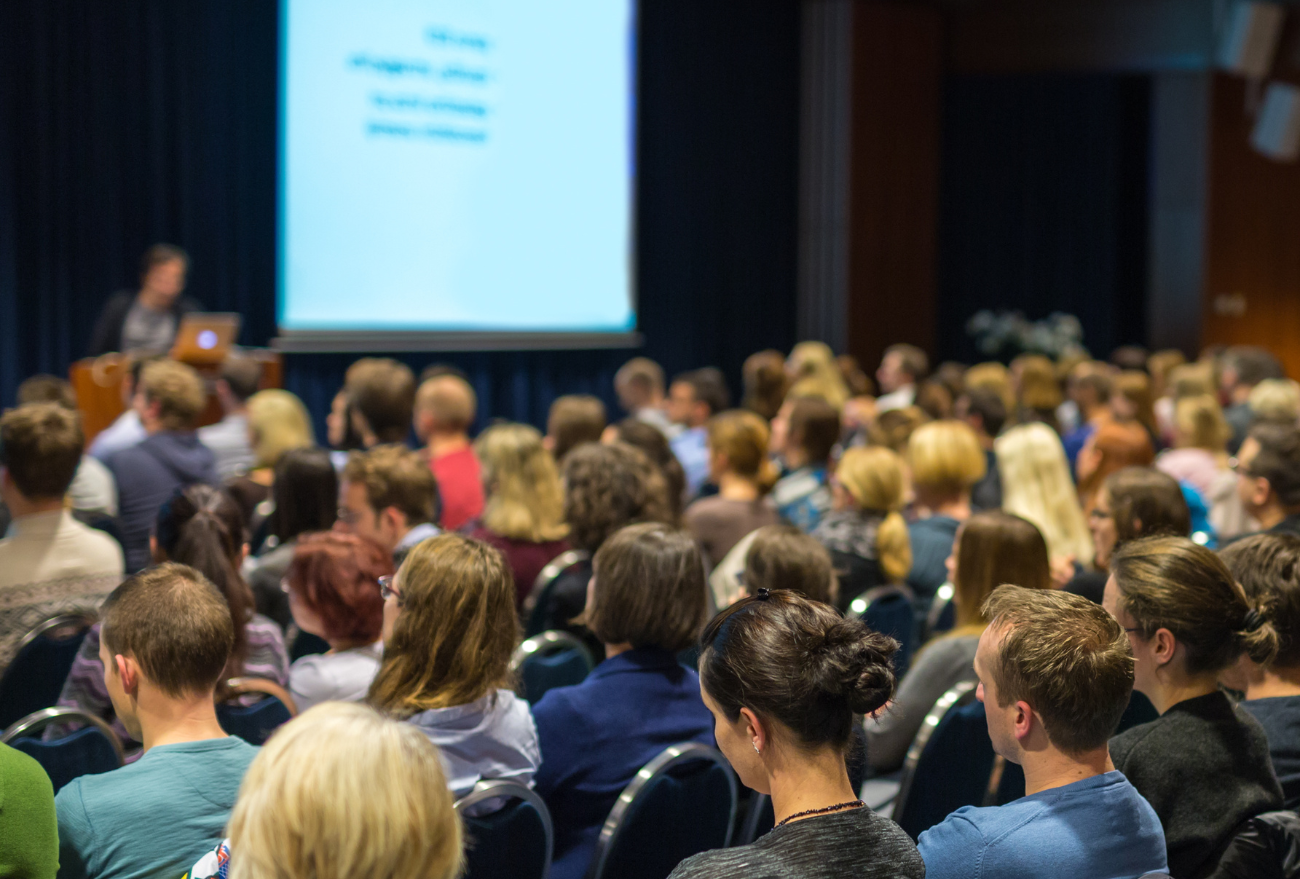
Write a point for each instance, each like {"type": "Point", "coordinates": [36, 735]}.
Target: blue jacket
{"type": "Point", "coordinates": [596, 736]}
{"type": "Point", "coordinates": [147, 475]}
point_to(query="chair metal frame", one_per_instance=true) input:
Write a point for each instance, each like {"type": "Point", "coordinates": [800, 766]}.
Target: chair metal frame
{"type": "Point", "coordinates": [671, 757]}
{"type": "Point", "coordinates": [57, 621]}
{"type": "Point", "coordinates": [499, 788]}
{"type": "Point", "coordinates": [39, 720]}
{"type": "Point", "coordinates": [552, 641]}
{"type": "Point", "coordinates": [749, 827]}
{"type": "Point", "coordinates": [554, 568]}
{"type": "Point", "coordinates": [942, 598]}
{"type": "Point", "coordinates": [958, 696]}
{"type": "Point", "coordinates": [236, 687]}
{"type": "Point", "coordinates": [874, 594]}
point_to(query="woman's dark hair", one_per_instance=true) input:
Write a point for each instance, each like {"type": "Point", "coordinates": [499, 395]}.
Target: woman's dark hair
{"type": "Point", "coordinates": [306, 493]}
{"type": "Point", "coordinates": [1146, 503]}
{"type": "Point", "coordinates": [783, 557]}
{"type": "Point", "coordinates": [1268, 568]}
{"type": "Point", "coordinates": [607, 486]}
{"type": "Point", "coordinates": [202, 527]}
{"type": "Point", "coordinates": [765, 382]}
{"type": "Point", "coordinates": [652, 441]}
{"type": "Point", "coordinates": [814, 428]}
{"type": "Point", "coordinates": [798, 662]}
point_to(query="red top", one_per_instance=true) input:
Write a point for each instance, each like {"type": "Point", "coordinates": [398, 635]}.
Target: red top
{"type": "Point", "coordinates": [525, 559]}
{"type": "Point", "coordinates": [460, 487]}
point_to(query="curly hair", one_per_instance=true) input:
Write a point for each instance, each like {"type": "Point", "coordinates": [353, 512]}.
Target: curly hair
{"type": "Point", "coordinates": [608, 486]}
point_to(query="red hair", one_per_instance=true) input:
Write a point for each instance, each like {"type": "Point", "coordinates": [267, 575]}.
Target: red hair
{"type": "Point", "coordinates": [337, 576]}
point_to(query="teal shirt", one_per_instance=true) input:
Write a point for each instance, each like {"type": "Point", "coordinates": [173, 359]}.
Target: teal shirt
{"type": "Point", "coordinates": [29, 836]}
{"type": "Point", "coordinates": [154, 818]}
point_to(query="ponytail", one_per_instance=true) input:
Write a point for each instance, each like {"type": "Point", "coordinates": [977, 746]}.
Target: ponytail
{"type": "Point", "coordinates": [894, 548]}
{"type": "Point", "coordinates": [768, 474]}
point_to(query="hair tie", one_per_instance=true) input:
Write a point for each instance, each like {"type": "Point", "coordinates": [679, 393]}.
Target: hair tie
{"type": "Point", "coordinates": [763, 594]}
{"type": "Point", "coordinates": [1252, 621]}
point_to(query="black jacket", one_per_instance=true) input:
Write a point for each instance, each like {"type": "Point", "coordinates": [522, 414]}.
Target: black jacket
{"type": "Point", "coordinates": [108, 329]}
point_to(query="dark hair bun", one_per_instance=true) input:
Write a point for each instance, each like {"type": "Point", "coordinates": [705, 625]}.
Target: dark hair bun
{"type": "Point", "coordinates": [856, 664]}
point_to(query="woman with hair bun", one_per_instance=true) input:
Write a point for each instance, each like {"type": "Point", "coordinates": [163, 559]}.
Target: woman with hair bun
{"type": "Point", "coordinates": [783, 677]}
{"type": "Point", "coordinates": [1203, 764]}
{"type": "Point", "coordinates": [739, 466]}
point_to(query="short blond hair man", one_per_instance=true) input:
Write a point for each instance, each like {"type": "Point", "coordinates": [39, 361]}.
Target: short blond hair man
{"type": "Point", "coordinates": [445, 406]}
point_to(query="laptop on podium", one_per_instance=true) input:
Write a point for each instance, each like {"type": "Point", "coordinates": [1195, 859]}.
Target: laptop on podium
{"type": "Point", "coordinates": [205, 338]}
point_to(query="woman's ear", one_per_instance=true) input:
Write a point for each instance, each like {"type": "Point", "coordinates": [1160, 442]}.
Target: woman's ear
{"type": "Point", "coordinates": [755, 730]}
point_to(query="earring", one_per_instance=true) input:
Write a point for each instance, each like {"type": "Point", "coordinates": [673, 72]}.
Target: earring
{"type": "Point", "coordinates": [756, 750]}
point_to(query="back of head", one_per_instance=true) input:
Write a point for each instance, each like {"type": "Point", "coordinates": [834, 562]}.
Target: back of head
{"type": "Point", "coordinates": [1135, 387]}
{"type": "Point", "coordinates": [783, 557]}
{"type": "Point", "coordinates": [1036, 485]}
{"type": "Point", "coordinates": [1278, 460]}
{"type": "Point", "coordinates": [996, 548]}
{"type": "Point", "coordinates": [649, 589]}
{"type": "Point", "coordinates": [934, 399]}
{"type": "Point", "coordinates": [1268, 568]}
{"type": "Point", "coordinates": [797, 662]}
{"type": "Point", "coordinates": [160, 254]}
{"type": "Point", "coordinates": [743, 437]}
{"type": "Point", "coordinates": [817, 374]}
{"type": "Point", "coordinates": [395, 476]}
{"type": "Point", "coordinates": [639, 381]}
{"type": "Point", "coordinates": [1130, 357]}
{"type": "Point", "coordinates": [40, 448]}
{"type": "Point", "coordinates": [574, 419]}
{"type": "Point", "coordinates": [524, 498]}
{"type": "Point", "coordinates": [1192, 379]}
{"type": "Point", "coordinates": [309, 804]}
{"type": "Point", "coordinates": [988, 405]}
{"type": "Point", "coordinates": [911, 359]}
{"type": "Point", "coordinates": [242, 375]}
{"type": "Point", "coordinates": [1093, 380]}
{"type": "Point", "coordinates": [1039, 390]}
{"type": "Point", "coordinates": [1171, 583]}
{"type": "Point", "coordinates": [1200, 424]}
{"type": "Point", "coordinates": [993, 377]}
{"type": "Point", "coordinates": [176, 626]}
{"type": "Point", "coordinates": [1066, 657]}
{"type": "Point", "coordinates": [765, 382]}
{"type": "Point", "coordinates": [814, 428]}
{"type": "Point", "coordinates": [452, 641]}
{"type": "Point", "coordinates": [337, 577]}
{"type": "Point", "coordinates": [709, 386]}
{"type": "Point", "coordinates": [47, 389]}
{"type": "Point", "coordinates": [608, 486]}
{"type": "Point", "coordinates": [945, 457]}
{"type": "Point", "coordinates": [893, 428]}
{"type": "Point", "coordinates": [1276, 399]}
{"type": "Point", "coordinates": [1160, 364]}
{"type": "Point", "coordinates": [1249, 365]}
{"type": "Point", "coordinates": [382, 392]}
{"type": "Point", "coordinates": [1118, 445]}
{"type": "Point", "coordinates": [278, 421]}
{"type": "Point", "coordinates": [178, 391]}
{"type": "Point", "coordinates": [306, 493]}
{"type": "Point", "coordinates": [449, 401]}
{"type": "Point", "coordinates": [874, 477]}
{"type": "Point", "coordinates": [651, 440]}
{"type": "Point", "coordinates": [1145, 503]}
{"type": "Point", "coordinates": [855, 378]}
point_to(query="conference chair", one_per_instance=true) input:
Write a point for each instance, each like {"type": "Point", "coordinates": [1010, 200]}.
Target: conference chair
{"type": "Point", "coordinates": [35, 677]}
{"type": "Point", "coordinates": [681, 803]}
{"type": "Point", "coordinates": [92, 749]}
{"type": "Point", "coordinates": [949, 763]}
{"type": "Point", "coordinates": [888, 610]}
{"type": "Point", "coordinates": [1265, 847]}
{"type": "Point", "coordinates": [254, 723]}
{"type": "Point", "coordinates": [539, 597]}
{"type": "Point", "coordinates": [514, 841]}
{"type": "Point", "coordinates": [551, 659]}
{"type": "Point", "coordinates": [942, 615]}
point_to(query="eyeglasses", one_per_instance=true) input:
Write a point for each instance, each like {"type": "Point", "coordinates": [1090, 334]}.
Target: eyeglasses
{"type": "Point", "coordinates": [284, 585]}
{"type": "Point", "coordinates": [386, 590]}
{"type": "Point", "coordinates": [1099, 515]}
{"type": "Point", "coordinates": [346, 516]}
{"type": "Point", "coordinates": [1236, 465]}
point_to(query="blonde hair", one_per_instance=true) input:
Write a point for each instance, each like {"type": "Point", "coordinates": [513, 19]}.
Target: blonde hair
{"type": "Point", "coordinates": [945, 456]}
{"type": "Point", "coordinates": [178, 391]}
{"type": "Point", "coordinates": [1191, 380]}
{"type": "Point", "coordinates": [339, 792]}
{"type": "Point", "coordinates": [994, 377]}
{"type": "Point", "coordinates": [1200, 423]}
{"type": "Point", "coordinates": [524, 498]}
{"type": "Point", "coordinates": [449, 399]}
{"type": "Point", "coordinates": [1160, 365]}
{"type": "Point", "coordinates": [278, 422]}
{"type": "Point", "coordinates": [743, 437]}
{"type": "Point", "coordinates": [1276, 399]}
{"type": "Point", "coordinates": [817, 374]}
{"type": "Point", "coordinates": [1040, 389]}
{"type": "Point", "coordinates": [1036, 485]}
{"type": "Point", "coordinates": [873, 476]}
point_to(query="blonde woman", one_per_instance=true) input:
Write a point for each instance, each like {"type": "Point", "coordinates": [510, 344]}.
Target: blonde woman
{"type": "Point", "coordinates": [1036, 485]}
{"type": "Point", "coordinates": [865, 532]}
{"type": "Point", "coordinates": [449, 630]}
{"type": "Point", "coordinates": [814, 372]}
{"type": "Point", "coordinates": [277, 422]}
{"type": "Point", "coordinates": [309, 804]}
{"type": "Point", "coordinates": [740, 467]}
{"type": "Point", "coordinates": [1200, 453]}
{"type": "Point", "coordinates": [1276, 400]}
{"type": "Point", "coordinates": [524, 513]}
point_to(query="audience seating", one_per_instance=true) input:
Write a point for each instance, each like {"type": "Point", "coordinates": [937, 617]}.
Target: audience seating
{"type": "Point", "coordinates": [35, 677]}
{"type": "Point", "coordinates": [681, 803]}
{"type": "Point", "coordinates": [888, 610]}
{"type": "Point", "coordinates": [1266, 847]}
{"type": "Point", "coordinates": [551, 659]}
{"type": "Point", "coordinates": [513, 842]}
{"type": "Point", "coordinates": [92, 749]}
{"type": "Point", "coordinates": [538, 598]}
{"type": "Point", "coordinates": [255, 723]}
{"type": "Point", "coordinates": [942, 615]}
{"type": "Point", "coordinates": [949, 763]}
{"type": "Point", "coordinates": [759, 819]}
{"type": "Point", "coordinates": [307, 644]}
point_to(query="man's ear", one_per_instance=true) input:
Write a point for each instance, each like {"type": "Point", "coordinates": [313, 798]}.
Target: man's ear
{"type": "Point", "coordinates": [128, 671]}
{"type": "Point", "coordinates": [1263, 490]}
{"type": "Point", "coordinates": [395, 518]}
{"type": "Point", "coordinates": [1024, 721]}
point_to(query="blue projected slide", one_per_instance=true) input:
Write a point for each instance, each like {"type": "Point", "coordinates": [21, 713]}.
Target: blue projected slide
{"type": "Point", "coordinates": [456, 165]}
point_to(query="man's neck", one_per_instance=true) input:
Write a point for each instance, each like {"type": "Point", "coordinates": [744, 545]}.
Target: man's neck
{"type": "Point", "coordinates": [445, 443]}
{"type": "Point", "coordinates": [737, 488]}
{"type": "Point", "coordinates": [1050, 768]}
{"type": "Point", "coordinates": [21, 507]}
{"type": "Point", "coordinates": [1096, 414]}
{"type": "Point", "coordinates": [1240, 394]}
{"type": "Point", "coordinates": [1274, 682]}
{"type": "Point", "coordinates": [173, 721]}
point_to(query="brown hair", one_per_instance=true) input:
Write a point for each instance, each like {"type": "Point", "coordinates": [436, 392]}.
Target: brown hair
{"type": "Point", "coordinates": [574, 419]}
{"type": "Point", "coordinates": [652, 441]}
{"type": "Point", "coordinates": [242, 375]}
{"type": "Point", "coordinates": [450, 399]}
{"type": "Point", "coordinates": [1066, 657]}
{"type": "Point", "coordinates": [893, 428]}
{"type": "Point", "coordinates": [743, 437]}
{"type": "Point", "coordinates": [1160, 364]}
{"type": "Point", "coordinates": [175, 624]}
{"type": "Point", "coordinates": [797, 661]}
{"type": "Point", "coordinates": [1120, 445]}
{"type": "Point", "coordinates": [814, 428]}
{"type": "Point", "coordinates": [993, 377]}
{"type": "Point", "coordinates": [1268, 568]}
{"type": "Point", "coordinates": [855, 378]}
{"type": "Point", "coordinates": [158, 254]}
{"type": "Point", "coordinates": [395, 476]}
{"type": "Point", "coordinates": [41, 446]}
{"type": "Point", "coordinates": [47, 389]}
{"type": "Point", "coordinates": [452, 641]}
{"type": "Point", "coordinates": [1278, 460]}
{"type": "Point", "coordinates": [649, 589]}
{"type": "Point", "coordinates": [996, 548]}
{"type": "Point", "coordinates": [783, 557]}
{"type": "Point", "coordinates": [1200, 423]}
{"type": "Point", "coordinates": [178, 391]}
{"type": "Point", "coordinates": [1145, 502]}
{"type": "Point", "coordinates": [764, 379]}
{"type": "Point", "coordinates": [1135, 387]}
{"type": "Point", "coordinates": [607, 486]}
{"type": "Point", "coordinates": [934, 398]}
{"type": "Point", "coordinates": [337, 576]}
{"type": "Point", "coordinates": [643, 374]}
{"type": "Point", "coordinates": [912, 360]}
{"type": "Point", "coordinates": [1040, 391]}
{"type": "Point", "coordinates": [945, 457]}
{"type": "Point", "coordinates": [382, 392]}
{"type": "Point", "coordinates": [1171, 583]}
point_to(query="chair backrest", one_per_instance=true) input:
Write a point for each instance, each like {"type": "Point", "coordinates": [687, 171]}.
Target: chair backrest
{"type": "Point", "coordinates": [36, 675]}
{"type": "Point", "coordinates": [681, 803]}
{"type": "Point", "coordinates": [1265, 847]}
{"type": "Point", "coordinates": [254, 723]}
{"type": "Point", "coordinates": [307, 644]}
{"type": "Point", "coordinates": [759, 819]}
{"type": "Point", "coordinates": [535, 605]}
{"type": "Point", "coordinates": [888, 610]}
{"type": "Point", "coordinates": [551, 659]}
{"type": "Point", "coordinates": [514, 841]}
{"type": "Point", "coordinates": [949, 763]}
{"type": "Point", "coordinates": [89, 750]}
{"type": "Point", "coordinates": [942, 615]}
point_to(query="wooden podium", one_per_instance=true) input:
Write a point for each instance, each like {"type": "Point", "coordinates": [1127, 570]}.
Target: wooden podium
{"type": "Point", "coordinates": [98, 383]}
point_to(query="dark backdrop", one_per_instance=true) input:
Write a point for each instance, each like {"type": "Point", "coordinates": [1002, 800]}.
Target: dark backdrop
{"type": "Point", "coordinates": [122, 124]}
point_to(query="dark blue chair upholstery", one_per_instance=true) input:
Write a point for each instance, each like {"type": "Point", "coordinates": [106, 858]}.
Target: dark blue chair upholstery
{"type": "Point", "coordinates": [35, 677]}
{"type": "Point", "coordinates": [537, 604]}
{"type": "Point", "coordinates": [254, 723]}
{"type": "Point", "coordinates": [307, 644]}
{"type": "Point", "coordinates": [681, 803]}
{"type": "Point", "coordinates": [888, 610]}
{"type": "Point", "coordinates": [513, 842]}
{"type": "Point", "coordinates": [551, 659]}
{"type": "Point", "coordinates": [92, 749]}
{"type": "Point", "coordinates": [948, 765]}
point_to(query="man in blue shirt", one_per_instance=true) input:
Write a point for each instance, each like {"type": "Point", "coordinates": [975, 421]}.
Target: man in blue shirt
{"type": "Point", "coordinates": [1055, 675]}
{"type": "Point", "coordinates": [166, 637]}
{"type": "Point", "coordinates": [694, 398]}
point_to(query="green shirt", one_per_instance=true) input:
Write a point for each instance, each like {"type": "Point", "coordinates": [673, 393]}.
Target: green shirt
{"type": "Point", "coordinates": [29, 834]}
{"type": "Point", "coordinates": [154, 818]}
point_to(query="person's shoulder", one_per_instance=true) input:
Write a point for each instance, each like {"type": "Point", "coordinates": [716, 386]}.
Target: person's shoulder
{"type": "Point", "coordinates": [955, 846]}
{"type": "Point", "coordinates": [1133, 741]}
{"type": "Point", "coordinates": [715, 864]}
{"type": "Point", "coordinates": [23, 776]}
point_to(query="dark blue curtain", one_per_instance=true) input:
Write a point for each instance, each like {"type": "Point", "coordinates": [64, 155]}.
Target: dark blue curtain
{"type": "Point", "coordinates": [122, 124]}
